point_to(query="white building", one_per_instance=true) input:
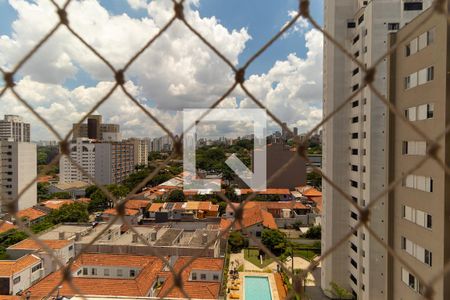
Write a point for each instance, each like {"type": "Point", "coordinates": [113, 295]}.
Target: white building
{"type": "Point", "coordinates": [355, 141]}
{"type": "Point", "coordinates": [82, 151]}
{"type": "Point", "coordinates": [17, 275]}
{"type": "Point", "coordinates": [17, 170]}
{"type": "Point", "coordinates": [13, 127]}
{"type": "Point", "coordinates": [140, 151]}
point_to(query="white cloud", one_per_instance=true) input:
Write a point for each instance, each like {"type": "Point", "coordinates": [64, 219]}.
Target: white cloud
{"type": "Point", "coordinates": [178, 71]}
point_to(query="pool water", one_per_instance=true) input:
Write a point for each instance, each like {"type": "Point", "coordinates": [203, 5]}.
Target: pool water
{"type": "Point", "coordinates": [257, 288]}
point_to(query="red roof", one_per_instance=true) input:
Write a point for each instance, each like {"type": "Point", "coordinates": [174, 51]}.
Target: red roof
{"type": "Point", "coordinates": [139, 286]}
{"type": "Point", "coordinates": [128, 212]}
{"type": "Point", "coordinates": [193, 289]}
{"type": "Point", "coordinates": [6, 226]}
{"type": "Point", "coordinates": [256, 215]}
{"type": "Point", "coordinates": [30, 244]}
{"type": "Point", "coordinates": [30, 214]}
{"type": "Point", "coordinates": [8, 267]}
{"type": "Point", "coordinates": [267, 192]}
{"type": "Point", "coordinates": [137, 204]}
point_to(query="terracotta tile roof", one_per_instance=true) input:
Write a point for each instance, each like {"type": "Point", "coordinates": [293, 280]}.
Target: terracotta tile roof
{"type": "Point", "coordinates": [193, 289]}
{"type": "Point", "coordinates": [318, 201]}
{"type": "Point", "coordinates": [6, 226]}
{"type": "Point", "coordinates": [56, 203]}
{"type": "Point", "coordinates": [224, 223]}
{"type": "Point", "coordinates": [214, 207]}
{"type": "Point", "coordinates": [271, 205]}
{"type": "Point", "coordinates": [136, 204]}
{"type": "Point", "coordinates": [139, 286]}
{"type": "Point", "coordinates": [206, 205]}
{"type": "Point", "coordinates": [128, 212]}
{"type": "Point", "coordinates": [30, 244]}
{"type": "Point", "coordinates": [256, 215]}
{"type": "Point", "coordinates": [8, 267]}
{"type": "Point", "coordinates": [44, 179]}
{"type": "Point", "coordinates": [266, 192]}
{"type": "Point", "coordinates": [155, 207]}
{"type": "Point", "coordinates": [4, 297]}
{"type": "Point", "coordinates": [30, 213]}
{"type": "Point", "coordinates": [312, 192]}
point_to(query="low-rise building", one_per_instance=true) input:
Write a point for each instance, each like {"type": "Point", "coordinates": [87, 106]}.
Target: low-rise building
{"type": "Point", "coordinates": [162, 212]}
{"type": "Point", "coordinates": [268, 194]}
{"type": "Point", "coordinates": [76, 189]}
{"type": "Point", "coordinates": [131, 276]}
{"type": "Point", "coordinates": [31, 215]}
{"type": "Point", "coordinates": [17, 275]}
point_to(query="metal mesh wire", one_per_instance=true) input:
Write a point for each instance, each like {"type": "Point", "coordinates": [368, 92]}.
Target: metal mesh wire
{"type": "Point", "coordinates": [239, 80]}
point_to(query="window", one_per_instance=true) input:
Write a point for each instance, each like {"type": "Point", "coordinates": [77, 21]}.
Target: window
{"type": "Point", "coordinates": [215, 277]}
{"type": "Point", "coordinates": [354, 216]}
{"type": "Point", "coordinates": [356, 39]}
{"type": "Point", "coordinates": [353, 183]}
{"type": "Point", "coordinates": [393, 26]}
{"type": "Point", "coordinates": [351, 24]}
{"type": "Point", "coordinates": [36, 267]}
{"type": "Point", "coordinates": [420, 253]}
{"type": "Point", "coordinates": [417, 216]}
{"type": "Point", "coordinates": [354, 151]}
{"type": "Point", "coordinates": [421, 112]}
{"type": "Point", "coordinates": [355, 103]}
{"type": "Point", "coordinates": [412, 6]}
{"type": "Point", "coordinates": [105, 272]}
{"type": "Point", "coordinates": [132, 273]}
{"type": "Point", "coordinates": [418, 182]}
{"type": "Point", "coordinates": [71, 248]}
{"type": "Point", "coordinates": [355, 199]}
{"type": "Point", "coordinates": [356, 54]}
{"type": "Point", "coordinates": [119, 273]}
{"type": "Point", "coordinates": [94, 271]}
{"type": "Point", "coordinates": [414, 148]}
{"type": "Point", "coordinates": [353, 263]}
{"type": "Point", "coordinates": [354, 135]}
{"type": "Point", "coordinates": [355, 87]}
{"type": "Point", "coordinates": [430, 73]}
{"type": "Point", "coordinates": [194, 276]}
{"type": "Point", "coordinates": [360, 19]}
{"type": "Point", "coordinates": [355, 71]}
{"type": "Point", "coordinates": [203, 276]}
{"type": "Point", "coordinates": [354, 168]}
{"type": "Point", "coordinates": [258, 234]}
{"type": "Point", "coordinates": [355, 120]}
{"type": "Point", "coordinates": [85, 271]}
{"type": "Point", "coordinates": [353, 279]}
{"type": "Point", "coordinates": [16, 280]}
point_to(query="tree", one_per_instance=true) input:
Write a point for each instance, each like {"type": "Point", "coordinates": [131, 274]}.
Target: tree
{"type": "Point", "coordinates": [274, 240]}
{"type": "Point", "coordinates": [100, 202]}
{"type": "Point", "coordinates": [90, 190]}
{"type": "Point", "coordinates": [314, 232]}
{"type": "Point", "coordinates": [222, 207]}
{"type": "Point", "coordinates": [60, 195]}
{"type": "Point", "coordinates": [176, 196]}
{"type": "Point", "coordinates": [314, 179]}
{"type": "Point", "coordinates": [42, 191]}
{"type": "Point", "coordinates": [237, 241]}
{"type": "Point", "coordinates": [75, 212]}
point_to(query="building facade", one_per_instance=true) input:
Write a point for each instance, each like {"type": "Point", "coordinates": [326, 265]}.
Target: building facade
{"type": "Point", "coordinates": [419, 87]}
{"type": "Point", "coordinates": [94, 128]}
{"type": "Point", "coordinates": [355, 141]}
{"type": "Point", "coordinates": [82, 151]}
{"type": "Point", "coordinates": [18, 168]}
{"type": "Point", "coordinates": [114, 162]}
{"type": "Point", "coordinates": [140, 151]}
{"type": "Point", "coordinates": [13, 128]}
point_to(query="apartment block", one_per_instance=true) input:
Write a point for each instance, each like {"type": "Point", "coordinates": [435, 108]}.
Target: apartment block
{"type": "Point", "coordinates": [94, 128]}
{"type": "Point", "coordinates": [419, 206]}
{"type": "Point", "coordinates": [114, 162]}
{"type": "Point", "coordinates": [13, 128]}
{"type": "Point", "coordinates": [17, 170]}
{"type": "Point", "coordinates": [355, 141]}
{"type": "Point", "coordinates": [107, 162]}
{"type": "Point", "coordinates": [140, 151]}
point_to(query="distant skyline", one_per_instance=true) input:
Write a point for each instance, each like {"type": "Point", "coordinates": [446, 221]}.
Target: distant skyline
{"type": "Point", "coordinates": [63, 80]}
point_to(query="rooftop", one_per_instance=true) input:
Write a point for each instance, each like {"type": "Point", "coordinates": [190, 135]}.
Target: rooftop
{"type": "Point", "coordinates": [265, 192]}
{"type": "Point", "coordinates": [10, 267]}
{"type": "Point", "coordinates": [256, 215]}
{"type": "Point", "coordinates": [138, 286]}
{"type": "Point", "coordinates": [69, 231]}
{"type": "Point", "coordinates": [30, 214]}
{"type": "Point", "coordinates": [71, 185]}
{"type": "Point", "coordinates": [29, 244]}
{"type": "Point", "coordinates": [6, 226]}
{"type": "Point", "coordinates": [57, 203]}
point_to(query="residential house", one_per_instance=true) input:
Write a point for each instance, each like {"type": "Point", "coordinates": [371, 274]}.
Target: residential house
{"type": "Point", "coordinates": [17, 275]}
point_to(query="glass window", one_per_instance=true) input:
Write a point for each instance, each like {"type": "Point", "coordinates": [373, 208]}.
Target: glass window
{"type": "Point", "coordinates": [203, 276]}
{"type": "Point", "coordinates": [194, 276]}
{"type": "Point", "coordinates": [85, 271]}
{"type": "Point", "coordinates": [16, 280]}
{"type": "Point", "coordinates": [105, 272]}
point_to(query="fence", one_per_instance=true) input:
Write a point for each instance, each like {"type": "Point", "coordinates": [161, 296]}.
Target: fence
{"type": "Point", "coordinates": [239, 80]}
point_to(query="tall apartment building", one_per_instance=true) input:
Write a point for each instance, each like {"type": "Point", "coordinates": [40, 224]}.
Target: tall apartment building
{"type": "Point", "coordinates": [17, 169]}
{"type": "Point", "coordinates": [94, 128]}
{"type": "Point", "coordinates": [420, 222]}
{"type": "Point", "coordinates": [140, 151]}
{"type": "Point", "coordinates": [161, 144]}
{"type": "Point", "coordinates": [114, 162]}
{"type": "Point", "coordinates": [107, 162]}
{"type": "Point", "coordinates": [355, 141]}
{"type": "Point", "coordinates": [82, 151]}
{"type": "Point", "coordinates": [13, 127]}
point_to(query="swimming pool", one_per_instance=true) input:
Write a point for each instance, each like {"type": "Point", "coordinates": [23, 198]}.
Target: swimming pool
{"type": "Point", "coordinates": [257, 288]}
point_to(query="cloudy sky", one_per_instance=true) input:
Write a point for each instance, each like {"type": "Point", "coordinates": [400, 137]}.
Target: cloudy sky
{"type": "Point", "coordinates": [63, 80]}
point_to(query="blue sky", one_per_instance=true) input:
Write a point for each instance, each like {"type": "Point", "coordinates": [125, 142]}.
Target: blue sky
{"type": "Point", "coordinates": [262, 18]}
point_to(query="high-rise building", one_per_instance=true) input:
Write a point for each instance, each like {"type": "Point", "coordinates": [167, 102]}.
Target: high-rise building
{"type": "Point", "coordinates": [162, 144]}
{"type": "Point", "coordinates": [17, 170]}
{"type": "Point", "coordinates": [140, 151]}
{"type": "Point", "coordinates": [107, 162]}
{"type": "Point", "coordinates": [13, 128]}
{"type": "Point", "coordinates": [94, 128]}
{"type": "Point", "coordinates": [295, 131]}
{"type": "Point", "coordinates": [114, 162]}
{"type": "Point", "coordinates": [418, 73]}
{"type": "Point", "coordinates": [82, 151]}
{"type": "Point", "coordinates": [355, 141]}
